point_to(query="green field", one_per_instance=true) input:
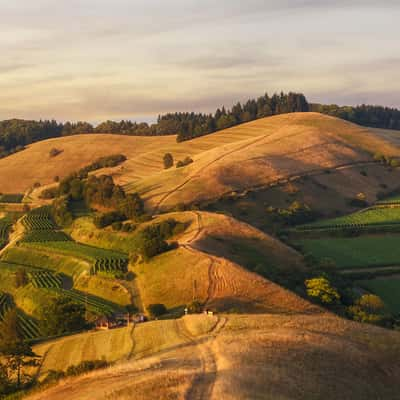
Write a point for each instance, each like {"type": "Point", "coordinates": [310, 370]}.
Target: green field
{"type": "Point", "coordinates": [377, 216]}
{"type": "Point", "coordinates": [11, 198]}
{"type": "Point", "coordinates": [100, 259]}
{"type": "Point", "coordinates": [43, 236]}
{"type": "Point", "coordinates": [387, 289]}
{"type": "Point", "coordinates": [29, 257]}
{"type": "Point", "coordinates": [359, 252]}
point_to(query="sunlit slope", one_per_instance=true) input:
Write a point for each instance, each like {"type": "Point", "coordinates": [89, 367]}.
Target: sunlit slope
{"type": "Point", "coordinates": [145, 156]}
{"type": "Point", "coordinates": [279, 147]}
{"type": "Point", "coordinates": [248, 357]}
{"type": "Point", "coordinates": [284, 143]}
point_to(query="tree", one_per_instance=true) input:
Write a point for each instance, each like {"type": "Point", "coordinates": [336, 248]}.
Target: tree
{"type": "Point", "coordinates": [371, 309]}
{"type": "Point", "coordinates": [321, 290]}
{"type": "Point", "coordinates": [21, 278]}
{"type": "Point", "coordinates": [133, 206]}
{"type": "Point", "coordinates": [156, 310]}
{"type": "Point", "coordinates": [62, 316]}
{"type": "Point", "coordinates": [15, 354]}
{"type": "Point", "coordinates": [168, 160]}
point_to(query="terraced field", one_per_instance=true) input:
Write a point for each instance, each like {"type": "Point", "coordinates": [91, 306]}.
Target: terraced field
{"type": "Point", "coordinates": [93, 303]}
{"type": "Point", "coordinates": [33, 257]}
{"type": "Point", "coordinates": [39, 219]}
{"type": "Point", "coordinates": [99, 259]}
{"type": "Point", "coordinates": [46, 279]}
{"type": "Point", "coordinates": [358, 252]}
{"type": "Point", "coordinates": [44, 236]}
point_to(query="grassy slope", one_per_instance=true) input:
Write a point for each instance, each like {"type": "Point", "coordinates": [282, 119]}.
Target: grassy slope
{"type": "Point", "coordinates": [112, 345]}
{"type": "Point", "coordinates": [264, 356]}
{"type": "Point", "coordinates": [359, 252]}
{"type": "Point", "coordinates": [280, 146]}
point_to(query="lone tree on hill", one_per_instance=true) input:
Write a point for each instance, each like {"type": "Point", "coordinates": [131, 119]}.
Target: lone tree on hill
{"type": "Point", "coordinates": [168, 160]}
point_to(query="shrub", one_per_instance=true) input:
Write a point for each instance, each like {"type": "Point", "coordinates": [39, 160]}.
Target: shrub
{"type": "Point", "coordinates": [107, 219]}
{"type": "Point", "coordinates": [370, 309]}
{"type": "Point", "coordinates": [54, 152]}
{"type": "Point", "coordinates": [168, 160]}
{"type": "Point", "coordinates": [184, 162]}
{"type": "Point", "coordinates": [394, 163]}
{"type": "Point", "coordinates": [321, 290]}
{"type": "Point", "coordinates": [49, 193]}
{"type": "Point", "coordinates": [117, 226]}
{"type": "Point", "coordinates": [194, 307]}
{"type": "Point", "coordinates": [156, 310]}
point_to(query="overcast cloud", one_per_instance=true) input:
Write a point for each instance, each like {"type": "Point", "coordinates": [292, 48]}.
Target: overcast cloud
{"type": "Point", "coordinates": [99, 59]}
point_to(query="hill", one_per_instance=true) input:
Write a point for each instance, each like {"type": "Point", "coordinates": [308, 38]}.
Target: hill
{"type": "Point", "coordinates": [240, 357]}
{"type": "Point", "coordinates": [278, 148]}
{"type": "Point", "coordinates": [250, 155]}
{"type": "Point", "coordinates": [213, 264]}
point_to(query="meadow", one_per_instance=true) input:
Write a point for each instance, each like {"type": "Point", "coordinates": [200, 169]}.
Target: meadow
{"type": "Point", "coordinates": [388, 289]}
{"type": "Point", "coordinates": [358, 252]}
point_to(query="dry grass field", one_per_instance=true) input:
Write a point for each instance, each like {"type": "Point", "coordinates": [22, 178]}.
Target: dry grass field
{"type": "Point", "coordinates": [249, 357]}
{"type": "Point", "coordinates": [281, 147]}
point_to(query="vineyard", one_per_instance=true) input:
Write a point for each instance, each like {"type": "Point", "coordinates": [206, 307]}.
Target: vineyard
{"type": "Point", "coordinates": [28, 326]}
{"type": "Point", "coordinates": [372, 217]}
{"type": "Point", "coordinates": [43, 236]}
{"type": "Point", "coordinates": [46, 279]}
{"type": "Point", "coordinates": [93, 303]}
{"type": "Point", "coordinates": [101, 259]}
{"type": "Point", "coordinates": [11, 198]}
{"type": "Point", "coordinates": [39, 219]}
{"type": "Point", "coordinates": [5, 226]}
{"type": "Point", "coordinates": [5, 304]}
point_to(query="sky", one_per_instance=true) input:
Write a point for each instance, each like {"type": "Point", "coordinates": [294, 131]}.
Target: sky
{"type": "Point", "coordinates": [134, 59]}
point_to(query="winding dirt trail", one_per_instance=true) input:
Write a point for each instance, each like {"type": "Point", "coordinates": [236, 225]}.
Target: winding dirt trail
{"type": "Point", "coordinates": [202, 385]}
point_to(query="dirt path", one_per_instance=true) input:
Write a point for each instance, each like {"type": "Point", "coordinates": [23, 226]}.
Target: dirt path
{"type": "Point", "coordinates": [202, 385]}
{"type": "Point", "coordinates": [15, 236]}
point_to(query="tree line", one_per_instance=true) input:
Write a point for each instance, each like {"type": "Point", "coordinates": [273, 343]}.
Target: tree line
{"type": "Point", "coordinates": [366, 115]}
{"type": "Point", "coordinates": [17, 133]}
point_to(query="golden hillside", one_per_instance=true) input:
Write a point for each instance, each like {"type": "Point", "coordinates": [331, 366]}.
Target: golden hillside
{"type": "Point", "coordinates": [299, 357]}
{"type": "Point", "coordinates": [250, 154]}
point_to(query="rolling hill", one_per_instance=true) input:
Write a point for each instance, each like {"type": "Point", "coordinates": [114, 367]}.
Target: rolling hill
{"type": "Point", "coordinates": [237, 357]}
{"type": "Point", "coordinates": [252, 155]}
